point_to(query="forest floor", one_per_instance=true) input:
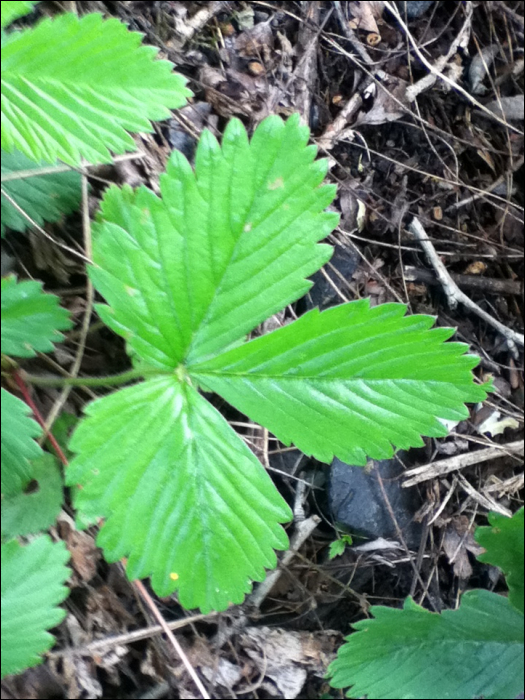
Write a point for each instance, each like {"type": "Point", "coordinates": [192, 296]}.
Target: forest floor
{"type": "Point", "coordinates": [421, 119]}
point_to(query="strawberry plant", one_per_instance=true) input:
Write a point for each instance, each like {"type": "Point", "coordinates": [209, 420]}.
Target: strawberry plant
{"type": "Point", "coordinates": [186, 276]}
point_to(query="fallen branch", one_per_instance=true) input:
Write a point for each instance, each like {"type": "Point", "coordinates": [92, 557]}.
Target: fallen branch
{"type": "Point", "coordinates": [113, 641]}
{"type": "Point", "coordinates": [490, 285]}
{"type": "Point", "coordinates": [484, 501]}
{"type": "Point", "coordinates": [453, 292]}
{"type": "Point", "coordinates": [467, 459]}
{"type": "Point", "coordinates": [350, 35]}
{"type": "Point", "coordinates": [305, 73]}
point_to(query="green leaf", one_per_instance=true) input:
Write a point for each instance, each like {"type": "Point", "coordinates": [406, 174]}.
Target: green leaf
{"type": "Point", "coordinates": [31, 319]}
{"type": "Point", "coordinates": [62, 429]}
{"type": "Point", "coordinates": [504, 544]}
{"type": "Point", "coordinates": [18, 446]}
{"type": "Point", "coordinates": [226, 246]}
{"type": "Point", "coordinates": [43, 198]}
{"type": "Point", "coordinates": [28, 513]}
{"type": "Point", "coordinates": [186, 277]}
{"type": "Point", "coordinates": [183, 496]}
{"type": "Point", "coordinates": [32, 587]}
{"type": "Point", "coordinates": [351, 381]}
{"type": "Point", "coordinates": [13, 9]}
{"type": "Point", "coordinates": [337, 547]}
{"type": "Point", "coordinates": [476, 650]}
{"type": "Point", "coordinates": [81, 107]}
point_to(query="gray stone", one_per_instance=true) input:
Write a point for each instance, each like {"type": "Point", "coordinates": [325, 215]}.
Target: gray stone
{"type": "Point", "coordinates": [323, 294]}
{"type": "Point", "coordinates": [414, 8]}
{"type": "Point", "coordinates": [357, 502]}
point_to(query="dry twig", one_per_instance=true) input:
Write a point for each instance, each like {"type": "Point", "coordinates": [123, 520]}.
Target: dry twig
{"type": "Point", "coordinates": [41, 230]}
{"type": "Point", "coordinates": [54, 169]}
{"type": "Point", "coordinates": [436, 70]}
{"type": "Point", "coordinates": [90, 298]}
{"type": "Point", "coordinates": [451, 289]}
{"type": "Point", "coordinates": [487, 284]}
{"type": "Point", "coordinates": [306, 70]}
{"type": "Point", "coordinates": [484, 501]}
{"type": "Point", "coordinates": [466, 459]}
{"type": "Point", "coordinates": [303, 530]}
{"type": "Point", "coordinates": [350, 35]}
{"type": "Point", "coordinates": [483, 194]}
{"type": "Point", "coordinates": [179, 650]}
{"type": "Point", "coordinates": [102, 645]}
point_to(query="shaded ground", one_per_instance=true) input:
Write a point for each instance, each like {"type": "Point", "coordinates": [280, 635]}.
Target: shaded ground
{"type": "Point", "coordinates": [400, 146]}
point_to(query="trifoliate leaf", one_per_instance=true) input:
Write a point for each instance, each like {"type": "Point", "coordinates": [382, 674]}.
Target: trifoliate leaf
{"type": "Point", "coordinates": [226, 246]}
{"type": "Point", "coordinates": [43, 198]}
{"type": "Point", "coordinates": [13, 9]}
{"type": "Point", "coordinates": [351, 381]}
{"type": "Point", "coordinates": [28, 513]}
{"type": "Point", "coordinates": [18, 446]}
{"type": "Point", "coordinates": [183, 496]}
{"type": "Point", "coordinates": [504, 544]}
{"type": "Point", "coordinates": [33, 578]}
{"type": "Point", "coordinates": [31, 319]}
{"type": "Point", "coordinates": [81, 107]}
{"type": "Point", "coordinates": [476, 650]}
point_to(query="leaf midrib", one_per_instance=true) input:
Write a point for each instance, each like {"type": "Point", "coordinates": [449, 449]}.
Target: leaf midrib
{"type": "Point", "coordinates": [314, 377]}
{"type": "Point", "coordinates": [232, 258]}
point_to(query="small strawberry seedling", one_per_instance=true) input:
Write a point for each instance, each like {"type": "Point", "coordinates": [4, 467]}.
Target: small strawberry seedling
{"type": "Point", "coordinates": [186, 277]}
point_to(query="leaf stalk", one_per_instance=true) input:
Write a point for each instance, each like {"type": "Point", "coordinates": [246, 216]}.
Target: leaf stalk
{"type": "Point", "coordinates": [111, 380]}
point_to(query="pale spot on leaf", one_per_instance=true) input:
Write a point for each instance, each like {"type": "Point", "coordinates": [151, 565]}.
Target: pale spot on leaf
{"type": "Point", "coordinates": [248, 227]}
{"type": "Point", "coordinates": [174, 576]}
{"type": "Point", "coordinates": [276, 184]}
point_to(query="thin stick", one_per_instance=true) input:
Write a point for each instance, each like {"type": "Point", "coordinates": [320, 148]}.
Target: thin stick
{"type": "Point", "coordinates": [436, 70]}
{"type": "Point", "coordinates": [511, 13]}
{"type": "Point", "coordinates": [467, 459]}
{"type": "Point", "coordinates": [129, 637]}
{"type": "Point", "coordinates": [485, 284]}
{"type": "Point", "coordinates": [38, 416]}
{"type": "Point", "coordinates": [90, 296]}
{"type": "Point", "coordinates": [469, 200]}
{"type": "Point", "coordinates": [483, 500]}
{"type": "Point", "coordinates": [401, 538]}
{"type": "Point", "coordinates": [180, 651]}
{"type": "Point", "coordinates": [303, 530]}
{"type": "Point", "coordinates": [33, 223]}
{"type": "Point", "coordinates": [55, 169]}
{"type": "Point", "coordinates": [305, 72]}
{"type": "Point", "coordinates": [451, 289]}
{"type": "Point", "coordinates": [350, 35]}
